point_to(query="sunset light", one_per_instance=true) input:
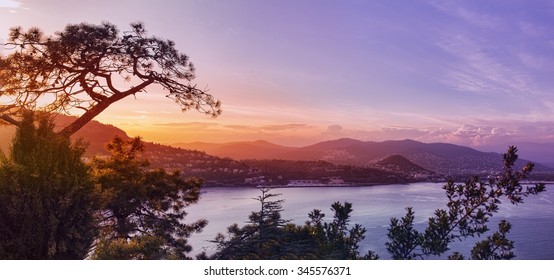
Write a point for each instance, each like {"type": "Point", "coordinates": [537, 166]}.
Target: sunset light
{"type": "Point", "coordinates": [431, 71]}
{"type": "Point", "coordinates": [234, 130]}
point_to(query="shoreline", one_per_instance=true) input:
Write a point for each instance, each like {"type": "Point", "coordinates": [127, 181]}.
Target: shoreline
{"type": "Point", "coordinates": [357, 185]}
{"type": "Point", "coordinates": [309, 186]}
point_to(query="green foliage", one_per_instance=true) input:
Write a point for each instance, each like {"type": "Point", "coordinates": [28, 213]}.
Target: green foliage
{"type": "Point", "coordinates": [405, 237]}
{"type": "Point", "coordinates": [48, 201]}
{"type": "Point", "coordinates": [495, 247]}
{"type": "Point", "coordinates": [267, 236]}
{"type": "Point", "coordinates": [261, 238]}
{"type": "Point", "coordinates": [470, 206]}
{"type": "Point", "coordinates": [146, 247]}
{"type": "Point", "coordinates": [145, 209]}
{"type": "Point", "coordinates": [335, 239]}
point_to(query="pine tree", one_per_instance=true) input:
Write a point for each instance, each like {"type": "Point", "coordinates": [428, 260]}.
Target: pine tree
{"type": "Point", "coordinates": [260, 238]}
{"type": "Point", "coordinates": [267, 236]}
{"type": "Point", "coordinates": [145, 209]}
{"type": "Point", "coordinates": [48, 202]}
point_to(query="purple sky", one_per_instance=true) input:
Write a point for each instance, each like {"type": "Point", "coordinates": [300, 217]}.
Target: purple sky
{"type": "Point", "coordinates": [298, 72]}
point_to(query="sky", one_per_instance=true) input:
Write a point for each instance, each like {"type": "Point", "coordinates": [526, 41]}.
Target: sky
{"type": "Point", "coordinates": [475, 73]}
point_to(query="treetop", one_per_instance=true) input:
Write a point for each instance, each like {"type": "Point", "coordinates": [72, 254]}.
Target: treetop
{"type": "Point", "coordinates": [89, 67]}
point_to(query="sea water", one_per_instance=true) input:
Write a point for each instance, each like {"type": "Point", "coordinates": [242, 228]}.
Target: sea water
{"type": "Point", "coordinates": [532, 221]}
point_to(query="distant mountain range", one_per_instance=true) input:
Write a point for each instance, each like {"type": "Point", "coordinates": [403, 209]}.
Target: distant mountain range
{"type": "Point", "coordinates": [240, 150]}
{"type": "Point", "coordinates": [447, 159]}
{"type": "Point", "coordinates": [406, 155]}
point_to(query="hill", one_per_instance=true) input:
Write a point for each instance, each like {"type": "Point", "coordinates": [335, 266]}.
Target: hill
{"type": "Point", "coordinates": [408, 156]}
{"type": "Point", "coordinates": [442, 158]}
{"type": "Point", "coordinates": [401, 165]}
{"type": "Point", "coordinates": [239, 150]}
{"type": "Point", "coordinates": [219, 171]}
{"type": "Point", "coordinates": [96, 134]}
{"type": "Point", "coordinates": [398, 162]}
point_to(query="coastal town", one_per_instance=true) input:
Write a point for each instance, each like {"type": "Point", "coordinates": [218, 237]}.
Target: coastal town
{"type": "Point", "coordinates": [217, 171]}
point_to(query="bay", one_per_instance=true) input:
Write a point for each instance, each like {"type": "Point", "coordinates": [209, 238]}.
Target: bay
{"type": "Point", "coordinates": [532, 221]}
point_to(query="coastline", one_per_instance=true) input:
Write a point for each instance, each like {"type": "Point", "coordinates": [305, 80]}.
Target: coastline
{"type": "Point", "coordinates": [277, 186]}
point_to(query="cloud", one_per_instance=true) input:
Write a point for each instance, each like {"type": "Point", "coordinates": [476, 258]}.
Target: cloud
{"type": "Point", "coordinates": [477, 134]}
{"type": "Point", "coordinates": [383, 134]}
{"type": "Point", "coordinates": [531, 29]}
{"type": "Point", "coordinates": [470, 135]}
{"type": "Point", "coordinates": [239, 127]}
{"type": "Point", "coordinates": [142, 112]}
{"type": "Point", "coordinates": [403, 133]}
{"type": "Point", "coordinates": [482, 71]}
{"type": "Point", "coordinates": [499, 60]}
{"type": "Point", "coordinates": [469, 16]}
{"type": "Point", "coordinates": [464, 81]}
{"type": "Point", "coordinates": [248, 131]}
{"type": "Point", "coordinates": [531, 61]}
{"type": "Point", "coordinates": [280, 127]}
{"type": "Point", "coordinates": [479, 19]}
{"type": "Point", "coordinates": [195, 125]}
{"type": "Point", "coordinates": [492, 133]}
{"type": "Point", "coordinates": [10, 4]}
{"type": "Point", "coordinates": [333, 130]}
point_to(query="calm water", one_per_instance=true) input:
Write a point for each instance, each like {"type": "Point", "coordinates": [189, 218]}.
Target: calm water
{"type": "Point", "coordinates": [533, 221]}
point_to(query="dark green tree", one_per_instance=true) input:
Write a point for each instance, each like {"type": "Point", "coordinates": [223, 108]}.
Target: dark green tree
{"type": "Point", "coordinates": [48, 203]}
{"type": "Point", "coordinates": [496, 246]}
{"type": "Point", "coordinates": [469, 208]}
{"type": "Point", "coordinates": [336, 240]}
{"type": "Point", "coordinates": [145, 209]}
{"type": "Point", "coordinates": [88, 67]}
{"type": "Point", "coordinates": [405, 238]}
{"type": "Point", "coordinates": [267, 236]}
{"type": "Point", "coordinates": [261, 238]}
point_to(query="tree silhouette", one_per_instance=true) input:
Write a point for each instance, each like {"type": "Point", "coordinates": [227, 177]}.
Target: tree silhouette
{"type": "Point", "coordinates": [335, 240]}
{"type": "Point", "coordinates": [470, 206]}
{"type": "Point", "coordinates": [89, 67]}
{"type": "Point", "coordinates": [267, 236]}
{"type": "Point", "coordinates": [145, 209]}
{"type": "Point", "coordinates": [261, 238]}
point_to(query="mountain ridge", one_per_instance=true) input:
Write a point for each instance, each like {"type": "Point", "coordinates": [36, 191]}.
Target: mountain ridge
{"type": "Point", "coordinates": [441, 158]}
{"type": "Point", "coordinates": [239, 150]}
